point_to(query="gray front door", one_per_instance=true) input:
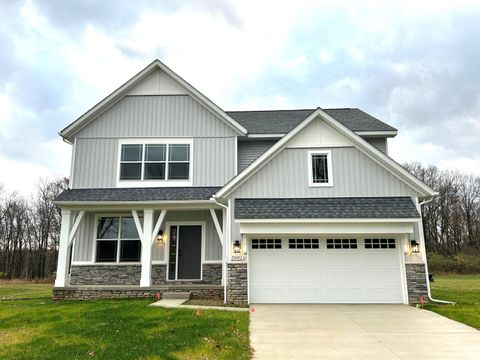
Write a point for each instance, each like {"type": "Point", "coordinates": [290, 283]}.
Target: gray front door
{"type": "Point", "coordinates": [189, 252]}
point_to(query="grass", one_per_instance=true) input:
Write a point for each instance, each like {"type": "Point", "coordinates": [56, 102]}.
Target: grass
{"type": "Point", "coordinates": [465, 291]}
{"type": "Point", "coordinates": [24, 290]}
{"type": "Point", "coordinates": [115, 329]}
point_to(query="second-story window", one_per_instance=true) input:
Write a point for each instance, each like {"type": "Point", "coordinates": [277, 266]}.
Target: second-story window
{"type": "Point", "coordinates": [320, 168]}
{"type": "Point", "coordinates": [145, 162]}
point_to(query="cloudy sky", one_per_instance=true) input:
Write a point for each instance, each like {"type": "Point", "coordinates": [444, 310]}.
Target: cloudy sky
{"type": "Point", "coordinates": [414, 64]}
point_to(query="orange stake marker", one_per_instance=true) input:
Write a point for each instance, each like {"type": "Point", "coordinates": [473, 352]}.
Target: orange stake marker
{"type": "Point", "coordinates": [198, 312]}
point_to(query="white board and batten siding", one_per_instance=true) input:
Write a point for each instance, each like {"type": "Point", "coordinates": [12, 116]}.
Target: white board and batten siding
{"type": "Point", "coordinates": [249, 151]}
{"type": "Point", "coordinates": [83, 248]}
{"type": "Point", "coordinates": [96, 145]}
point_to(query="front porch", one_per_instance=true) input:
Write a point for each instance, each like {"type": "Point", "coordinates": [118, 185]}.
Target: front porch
{"type": "Point", "coordinates": [112, 249]}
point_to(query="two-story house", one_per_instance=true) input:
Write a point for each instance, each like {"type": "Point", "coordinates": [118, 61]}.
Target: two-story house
{"type": "Point", "coordinates": [170, 193]}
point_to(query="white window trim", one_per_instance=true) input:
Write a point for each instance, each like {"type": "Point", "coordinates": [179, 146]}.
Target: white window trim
{"type": "Point", "coordinates": [329, 168]}
{"type": "Point", "coordinates": [154, 183]}
{"type": "Point", "coordinates": [95, 241]}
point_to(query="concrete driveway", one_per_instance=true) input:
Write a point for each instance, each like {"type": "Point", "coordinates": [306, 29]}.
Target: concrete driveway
{"type": "Point", "coordinates": [357, 332]}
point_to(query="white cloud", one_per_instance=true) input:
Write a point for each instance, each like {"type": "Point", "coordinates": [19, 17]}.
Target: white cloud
{"type": "Point", "coordinates": [410, 63]}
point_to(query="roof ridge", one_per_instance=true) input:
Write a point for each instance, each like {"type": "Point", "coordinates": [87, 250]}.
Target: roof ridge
{"type": "Point", "coordinates": [340, 108]}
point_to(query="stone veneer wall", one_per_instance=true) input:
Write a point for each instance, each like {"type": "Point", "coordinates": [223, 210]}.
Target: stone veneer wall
{"type": "Point", "coordinates": [416, 283]}
{"type": "Point", "coordinates": [130, 274]}
{"type": "Point", "coordinates": [237, 283]}
{"type": "Point", "coordinates": [212, 274]}
{"type": "Point", "coordinates": [105, 275]}
{"type": "Point", "coordinates": [91, 293]}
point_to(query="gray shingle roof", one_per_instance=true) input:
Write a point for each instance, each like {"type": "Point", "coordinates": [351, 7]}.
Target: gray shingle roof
{"type": "Point", "coordinates": [328, 208]}
{"type": "Point", "coordinates": [138, 194]}
{"type": "Point", "coordinates": [282, 121]}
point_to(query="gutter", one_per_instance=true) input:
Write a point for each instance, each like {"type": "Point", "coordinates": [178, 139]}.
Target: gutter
{"type": "Point", "coordinates": [426, 263]}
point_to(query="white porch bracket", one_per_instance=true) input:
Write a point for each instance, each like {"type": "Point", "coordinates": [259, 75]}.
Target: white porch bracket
{"type": "Point", "coordinates": [136, 219]}
{"type": "Point", "coordinates": [158, 224]}
{"type": "Point", "coordinates": [76, 224]}
{"type": "Point", "coordinates": [217, 225]}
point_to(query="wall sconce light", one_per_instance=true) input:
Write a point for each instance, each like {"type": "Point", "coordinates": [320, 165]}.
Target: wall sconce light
{"type": "Point", "coordinates": [160, 237]}
{"type": "Point", "coordinates": [414, 247]}
{"type": "Point", "coordinates": [237, 247]}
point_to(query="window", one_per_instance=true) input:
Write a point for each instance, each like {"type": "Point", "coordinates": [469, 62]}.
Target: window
{"type": "Point", "coordinates": [155, 161]}
{"type": "Point", "coordinates": [320, 168]}
{"type": "Point", "coordinates": [266, 243]}
{"type": "Point", "coordinates": [341, 243]}
{"type": "Point", "coordinates": [117, 240]}
{"type": "Point", "coordinates": [303, 244]}
{"type": "Point", "coordinates": [380, 244]}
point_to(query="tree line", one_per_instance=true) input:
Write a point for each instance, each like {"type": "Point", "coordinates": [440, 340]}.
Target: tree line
{"type": "Point", "coordinates": [30, 228]}
{"type": "Point", "coordinates": [30, 231]}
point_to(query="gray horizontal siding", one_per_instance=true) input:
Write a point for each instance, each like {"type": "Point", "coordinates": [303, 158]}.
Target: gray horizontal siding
{"type": "Point", "coordinates": [142, 116]}
{"type": "Point", "coordinates": [354, 174]}
{"type": "Point", "coordinates": [83, 244]}
{"type": "Point", "coordinates": [379, 143]}
{"type": "Point", "coordinates": [96, 162]}
{"type": "Point", "coordinates": [248, 151]}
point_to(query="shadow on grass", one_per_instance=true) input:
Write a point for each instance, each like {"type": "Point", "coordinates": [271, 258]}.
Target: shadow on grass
{"type": "Point", "coordinates": [121, 329]}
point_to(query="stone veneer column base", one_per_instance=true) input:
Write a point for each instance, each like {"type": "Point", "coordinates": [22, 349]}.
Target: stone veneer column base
{"type": "Point", "coordinates": [416, 283]}
{"type": "Point", "coordinates": [237, 283]}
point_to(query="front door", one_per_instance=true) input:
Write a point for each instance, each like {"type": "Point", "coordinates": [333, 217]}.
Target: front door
{"type": "Point", "coordinates": [188, 254]}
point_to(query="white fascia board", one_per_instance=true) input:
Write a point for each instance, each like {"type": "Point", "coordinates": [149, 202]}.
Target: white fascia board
{"type": "Point", "coordinates": [381, 158]}
{"type": "Point", "coordinates": [391, 133]}
{"type": "Point", "coordinates": [325, 220]}
{"type": "Point", "coordinates": [255, 165]}
{"type": "Point", "coordinates": [129, 205]}
{"type": "Point", "coordinates": [326, 228]}
{"type": "Point", "coordinates": [123, 89]}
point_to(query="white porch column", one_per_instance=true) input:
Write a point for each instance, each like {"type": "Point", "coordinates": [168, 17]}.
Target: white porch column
{"type": "Point", "coordinates": [145, 279]}
{"type": "Point", "coordinates": [63, 249]}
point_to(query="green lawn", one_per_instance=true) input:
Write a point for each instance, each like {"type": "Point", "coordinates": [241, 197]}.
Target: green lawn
{"type": "Point", "coordinates": [22, 290]}
{"type": "Point", "coordinates": [465, 291]}
{"type": "Point", "coordinates": [115, 329]}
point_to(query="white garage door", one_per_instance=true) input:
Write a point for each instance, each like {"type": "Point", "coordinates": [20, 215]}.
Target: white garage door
{"type": "Point", "coordinates": [333, 270]}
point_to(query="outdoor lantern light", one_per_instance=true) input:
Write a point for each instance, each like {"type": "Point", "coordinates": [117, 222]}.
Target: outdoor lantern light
{"type": "Point", "coordinates": [236, 247]}
{"type": "Point", "coordinates": [160, 237]}
{"type": "Point", "coordinates": [414, 247]}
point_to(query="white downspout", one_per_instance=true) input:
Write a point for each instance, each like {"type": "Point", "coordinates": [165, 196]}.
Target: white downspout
{"type": "Point", "coordinates": [420, 224]}
{"type": "Point", "coordinates": [226, 231]}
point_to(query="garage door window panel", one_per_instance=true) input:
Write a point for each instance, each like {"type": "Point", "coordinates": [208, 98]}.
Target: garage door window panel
{"type": "Point", "coordinates": [342, 244]}
{"type": "Point", "coordinates": [303, 244]}
{"type": "Point", "coordinates": [380, 243]}
{"type": "Point", "coordinates": [266, 243]}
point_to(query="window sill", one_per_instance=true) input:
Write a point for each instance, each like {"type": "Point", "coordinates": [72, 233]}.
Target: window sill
{"type": "Point", "coordinates": [153, 183]}
{"type": "Point", "coordinates": [320, 185]}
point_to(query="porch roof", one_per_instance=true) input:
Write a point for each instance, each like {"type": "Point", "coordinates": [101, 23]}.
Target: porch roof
{"type": "Point", "coordinates": [327, 208]}
{"type": "Point", "coordinates": [147, 194]}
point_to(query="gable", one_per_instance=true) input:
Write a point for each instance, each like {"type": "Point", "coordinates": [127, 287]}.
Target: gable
{"type": "Point", "coordinates": [155, 79]}
{"type": "Point", "coordinates": [158, 83]}
{"type": "Point", "coordinates": [353, 174]}
{"type": "Point", "coordinates": [318, 134]}
{"type": "Point", "coordinates": [156, 116]}
{"type": "Point", "coordinates": [373, 155]}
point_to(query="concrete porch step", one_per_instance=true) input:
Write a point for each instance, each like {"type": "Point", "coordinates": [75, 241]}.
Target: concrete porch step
{"type": "Point", "coordinates": [176, 295]}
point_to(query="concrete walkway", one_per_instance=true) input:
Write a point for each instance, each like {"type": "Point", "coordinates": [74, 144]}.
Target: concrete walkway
{"type": "Point", "coordinates": [356, 332]}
